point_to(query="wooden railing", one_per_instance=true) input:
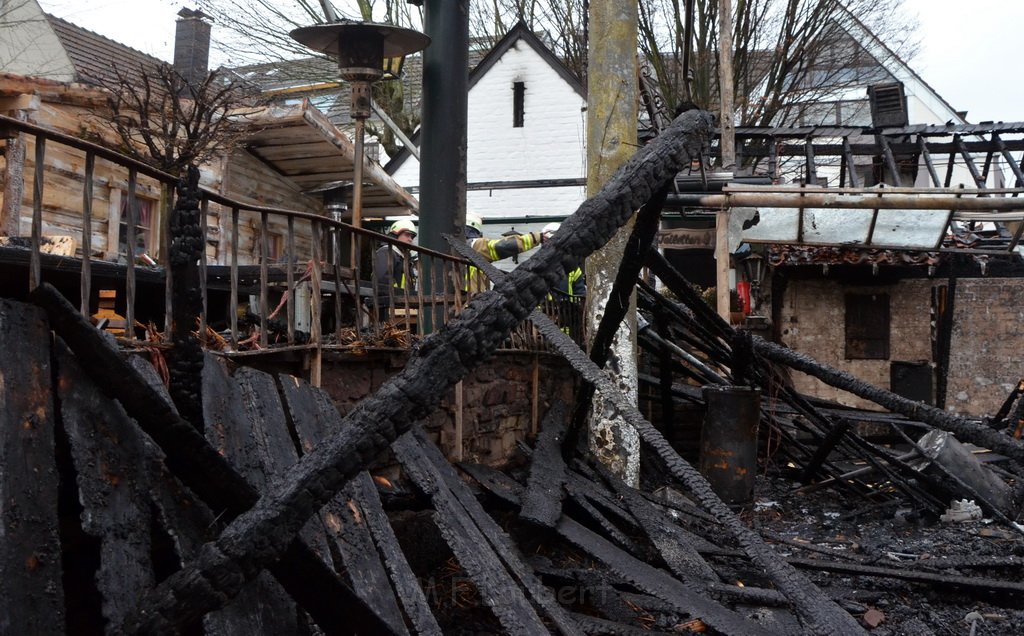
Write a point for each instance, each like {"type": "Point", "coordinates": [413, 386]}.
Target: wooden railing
{"type": "Point", "coordinates": [344, 303]}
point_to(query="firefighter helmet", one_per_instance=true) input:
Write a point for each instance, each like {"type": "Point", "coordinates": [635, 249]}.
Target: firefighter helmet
{"type": "Point", "coordinates": [402, 225]}
{"type": "Point", "coordinates": [474, 225]}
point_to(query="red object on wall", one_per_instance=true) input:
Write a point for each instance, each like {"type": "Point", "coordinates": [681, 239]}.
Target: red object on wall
{"type": "Point", "coordinates": [743, 289]}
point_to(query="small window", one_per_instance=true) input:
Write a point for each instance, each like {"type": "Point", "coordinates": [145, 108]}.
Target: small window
{"type": "Point", "coordinates": [867, 326]}
{"type": "Point", "coordinates": [518, 99]}
{"type": "Point", "coordinates": [145, 226]}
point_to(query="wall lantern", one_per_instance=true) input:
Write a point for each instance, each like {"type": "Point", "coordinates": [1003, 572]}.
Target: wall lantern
{"type": "Point", "coordinates": [754, 271]}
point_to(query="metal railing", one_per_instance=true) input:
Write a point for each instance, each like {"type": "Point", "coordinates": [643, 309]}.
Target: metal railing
{"type": "Point", "coordinates": [266, 258]}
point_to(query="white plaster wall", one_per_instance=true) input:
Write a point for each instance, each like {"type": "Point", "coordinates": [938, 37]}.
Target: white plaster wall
{"type": "Point", "coordinates": [550, 145]}
{"type": "Point", "coordinates": [28, 46]}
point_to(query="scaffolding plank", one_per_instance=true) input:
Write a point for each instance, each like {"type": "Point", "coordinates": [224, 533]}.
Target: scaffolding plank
{"type": "Point", "coordinates": [344, 517]}
{"type": "Point", "coordinates": [31, 598]}
{"type": "Point", "coordinates": [542, 502]}
{"type": "Point", "coordinates": [498, 590]}
{"type": "Point", "coordinates": [111, 459]}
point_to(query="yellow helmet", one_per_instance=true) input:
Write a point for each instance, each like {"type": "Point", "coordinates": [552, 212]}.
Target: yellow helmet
{"type": "Point", "coordinates": [402, 225]}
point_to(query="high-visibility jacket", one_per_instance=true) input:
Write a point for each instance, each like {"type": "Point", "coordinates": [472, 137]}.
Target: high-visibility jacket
{"type": "Point", "coordinates": [389, 270]}
{"type": "Point", "coordinates": [573, 286]}
{"type": "Point", "coordinates": [495, 250]}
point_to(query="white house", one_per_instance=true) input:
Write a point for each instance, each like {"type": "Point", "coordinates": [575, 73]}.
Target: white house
{"type": "Point", "coordinates": [526, 137]}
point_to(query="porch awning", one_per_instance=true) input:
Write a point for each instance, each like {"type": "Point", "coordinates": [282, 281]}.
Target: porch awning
{"type": "Point", "coordinates": [301, 144]}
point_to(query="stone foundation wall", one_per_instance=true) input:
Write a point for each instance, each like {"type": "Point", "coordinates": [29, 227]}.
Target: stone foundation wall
{"type": "Point", "coordinates": [497, 398]}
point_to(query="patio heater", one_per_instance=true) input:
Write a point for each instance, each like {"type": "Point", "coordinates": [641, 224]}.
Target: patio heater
{"type": "Point", "coordinates": [366, 52]}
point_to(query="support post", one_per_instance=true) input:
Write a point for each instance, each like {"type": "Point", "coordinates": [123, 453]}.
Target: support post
{"type": "Point", "coordinates": [727, 146]}
{"type": "Point", "coordinates": [611, 139]}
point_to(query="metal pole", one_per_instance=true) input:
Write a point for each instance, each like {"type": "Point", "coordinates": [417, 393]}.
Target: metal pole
{"type": "Point", "coordinates": [834, 200]}
{"type": "Point", "coordinates": [443, 143]}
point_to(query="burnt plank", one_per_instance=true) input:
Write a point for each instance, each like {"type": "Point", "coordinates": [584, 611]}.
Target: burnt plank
{"type": "Point", "coordinates": [205, 472]}
{"type": "Point", "coordinates": [497, 588]}
{"type": "Point", "coordinates": [410, 593]}
{"type": "Point", "coordinates": [234, 413]}
{"type": "Point", "coordinates": [111, 459]}
{"type": "Point", "coordinates": [648, 579]}
{"type": "Point", "coordinates": [670, 540]}
{"type": "Point", "coordinates": [542, 501]}
{"type": "Point", "coordinates": [31, 597]}
{"type": "Point", "coordinates": [190, 524]}
{"type": "Point", "coordinates": [502, 544]}
{"type": "Point", "coordinates": [344, 517]}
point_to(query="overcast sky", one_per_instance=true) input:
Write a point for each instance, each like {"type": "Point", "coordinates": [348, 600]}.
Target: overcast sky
{"type": "Point", "coordinates": [968, 49]}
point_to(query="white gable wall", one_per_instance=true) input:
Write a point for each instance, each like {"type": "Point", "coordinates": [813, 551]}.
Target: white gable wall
{"type": "Point", "coordinates": [28, 45]}
{"type": "Point", "coordinates": [550, 144]}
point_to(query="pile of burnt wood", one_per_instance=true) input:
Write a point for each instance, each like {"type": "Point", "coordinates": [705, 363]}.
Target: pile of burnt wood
{"type": "Point", "coordinates": [557, 544]}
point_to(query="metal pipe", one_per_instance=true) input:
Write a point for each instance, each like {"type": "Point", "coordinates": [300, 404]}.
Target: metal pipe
{"type": "Point", "coordinates": [842, 200]}
{"type": "Point", "coordinates": [443, 140]}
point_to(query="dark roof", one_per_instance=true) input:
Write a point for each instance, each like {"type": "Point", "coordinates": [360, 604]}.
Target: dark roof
{"type": "Point", "coordinates": [521, 32]}
{"type": "Point", "coordinates": [95, 57]}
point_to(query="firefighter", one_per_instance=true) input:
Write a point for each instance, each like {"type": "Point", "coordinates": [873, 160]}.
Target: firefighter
{"type": "Point", "coordinates": [574, 285]}
{"type": "Point", "coordinates": [493, 250]}
{"type": "Point", "coordinates": [391, 267]}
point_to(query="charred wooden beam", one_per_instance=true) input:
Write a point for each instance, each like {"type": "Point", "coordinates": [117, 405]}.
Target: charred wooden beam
{"type": "Point", "coordinates": [357, 523]}
{"type": "Point", "coordinates": [650, 580]}
{"type": "Point", "coordinates": [1008, 591]}
{"type": "Point", "coordinates": [31, 595]}
{"type": "Point", "coordinates": [259, 537]}
{"type": "Point", "coordinates": [470, 531]}
{"type": "Point", "coordinates": [966, 430]}
{"type": "Point", "coordinates": [542, 503]}
{"type": "Point", "coordinates": [634, 256]}
{"type": "Point", "coordinates": [185, 359]}
{"type": "Point", "coordinates": [403, 579]}
{"type": "Point", "coordinates": [815, 609]}
{"type": "Point", "coordinates": [112, 461]}
{"type": "Point", "coordinates": [204, 471]}
{"type": "Point", "coordinates": [669, 539]}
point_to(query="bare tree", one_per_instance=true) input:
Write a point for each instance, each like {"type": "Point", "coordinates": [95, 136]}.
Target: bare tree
{"type": "Point", "coordinates": [790, 55]}
{"type": "Point", "coordinates": [168, 122]}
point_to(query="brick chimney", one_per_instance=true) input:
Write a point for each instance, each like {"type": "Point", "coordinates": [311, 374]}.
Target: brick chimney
{"type": "Point", "coordinates": [192, 45]}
